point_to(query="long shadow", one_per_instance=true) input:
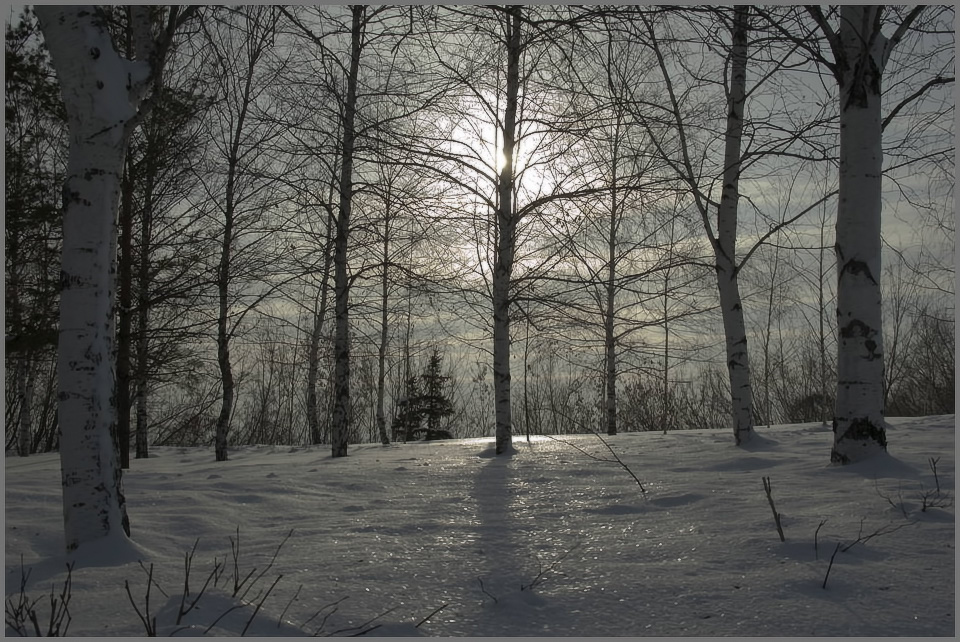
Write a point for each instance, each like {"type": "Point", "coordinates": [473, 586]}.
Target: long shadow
{"type": "Point", "coordinates": [498, 532]}
{"type": "Point", "coordinates": [104, 553]}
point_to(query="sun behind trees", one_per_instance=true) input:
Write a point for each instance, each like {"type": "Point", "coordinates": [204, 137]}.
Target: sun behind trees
{"type": "Point", "coordinates": [582, 205]}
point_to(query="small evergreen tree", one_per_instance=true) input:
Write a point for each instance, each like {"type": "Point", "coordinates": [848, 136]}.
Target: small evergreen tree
{"type": "Point", "coordinates": [436, 404]}
{"type": "Point", "coordinates": [408, 415]}
{"type": "Point", "coordinates": [425, 397]}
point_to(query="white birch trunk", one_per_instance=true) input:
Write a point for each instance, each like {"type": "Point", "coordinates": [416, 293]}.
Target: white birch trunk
{"type": "Point", "coordinates": [609, 329]}
{"type": "Point", "coordinates": [384, 336]}
{"type": "Point", "coordinates": [506, 244]}
{"type": "Point", "coordinates": [98, 92]}
{"type": "Point", "coordinates": [725, 247]}
{"type": "Point", "coordinates": [859, 427]}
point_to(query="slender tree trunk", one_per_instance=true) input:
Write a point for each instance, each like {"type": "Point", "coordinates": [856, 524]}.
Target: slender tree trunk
{"type": "Point", "coordinates": [665, 419]}
{"type": "Point", "coordinates": [725, 248]}
{"type": "Point", "coordinates": [22, 371]}
{"type": "Point", "coordinates": [526, 378]}
{"type": "Point", "coordinates": [225, 268]}
{"type": "Point", "coordinates": [341, 343]}
{"type": "Point", "coordinates": [99, 105]}
{"type": "Point", "coordinates": [384, 302]}
{"type": "Point", "coordinates": [506, 242]}
{"type": "Point", "coordinates": [313, 354]}
{"type": "Point", "coordinates": [223, 335]}
{"type": "Point", "coordinates": [822, 308]}
{"type": "Point", "coordinates": [609, 329]}
{"type": "Point", "coordinates": [125, 317]}
{"type": "Point", "coordinates": [859, 427]}
{"type": "Point", "coordinates": [768, 411]}
{"type": "Point", "coordinates": [142, 374]}
{"type": "Point", "coordinates": [25, 392]}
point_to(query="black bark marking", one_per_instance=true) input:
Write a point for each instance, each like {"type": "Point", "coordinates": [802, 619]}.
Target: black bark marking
{"type": "Point", "coordinates": [67, 281]}
{"type": "Point", "coordinates": [855, 267]}
{"type": "Point", "coordinates": [860, 430]}
{"type": "Point", "coordinates": [856, 328]}
{"type": "Point", "coordinates": [68, 196]}
{"type": "Point", "coordinates": [95, 53]}
{"type": "Point", "coordinates": [99, 84]}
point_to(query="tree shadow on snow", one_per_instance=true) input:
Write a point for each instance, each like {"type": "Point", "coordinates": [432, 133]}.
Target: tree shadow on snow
{"type": "Point", "coordinates": [499, 535]}
{"type": "Point", "coordinates": [883, 465]}
{"type": "Point", "coordinates": [116, 550]}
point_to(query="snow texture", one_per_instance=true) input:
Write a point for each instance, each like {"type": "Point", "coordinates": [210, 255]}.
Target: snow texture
{"type": "Point", "coordinates": [401, 530]}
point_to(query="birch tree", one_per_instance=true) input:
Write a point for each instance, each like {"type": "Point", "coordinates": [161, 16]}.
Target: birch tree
{"type": "Point", "coordinates": [501, 103]}
{"type": "Point", "coordinates": [722, 236]}
{"type": "Point", "coordinates": [859, 51]}
{"type": "Point", "coordinates": [103, 94]}
{"type": "Point", "coordinates": [687, 155]}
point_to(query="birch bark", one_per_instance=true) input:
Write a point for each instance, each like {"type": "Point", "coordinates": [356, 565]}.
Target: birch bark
{"type": "Point", "coordinates": [725, 244]}
{"type": "Point", "coordinates": [506, 242]}
{"type": "Point", "coordinates": [101, 93]}
{"type": "Point", "coordinates": [609, 328]}
{"type": "Point", "coordinates": [859, 427]}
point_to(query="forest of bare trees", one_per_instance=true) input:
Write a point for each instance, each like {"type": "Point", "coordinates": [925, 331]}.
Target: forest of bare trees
{"type": "Point", "coordinates": [587, 218]}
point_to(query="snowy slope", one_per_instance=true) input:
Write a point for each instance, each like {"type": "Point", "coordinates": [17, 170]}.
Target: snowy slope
{"type": "Point", "coordinates": [400, 531]}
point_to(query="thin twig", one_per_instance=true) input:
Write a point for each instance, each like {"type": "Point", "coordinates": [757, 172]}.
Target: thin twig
{"type": "Point", "coordinates": [434, 612]}
{"type": "Point", "coordinates": [776, 516]}
{"type": "Point", "coordinates": [284, 612]}
{"type": "Point", "coordinates": [933, 466]}
{"type": "Point", "coordinates": [863, 539]}
{"type": "Point", "coordinates": [488, 593]}
{"type": "Point", "coordinates": [830, 566]}
{"type": "Point", "coordinates": [360, 626]}
{"type": "Point", "coordinates": [260, 605]}
{"type": "Point", "coordinates": [816, 554]}
{"type": "Point", "coordinates": [542, 576]}
{"type": "Point", "coordinates": [615, 460]}
{"type": "Point", "coordinates": [150, 624]}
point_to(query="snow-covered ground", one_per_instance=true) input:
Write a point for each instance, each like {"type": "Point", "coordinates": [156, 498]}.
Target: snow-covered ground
{"type": "Point", "coordinates": [399, 531]}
